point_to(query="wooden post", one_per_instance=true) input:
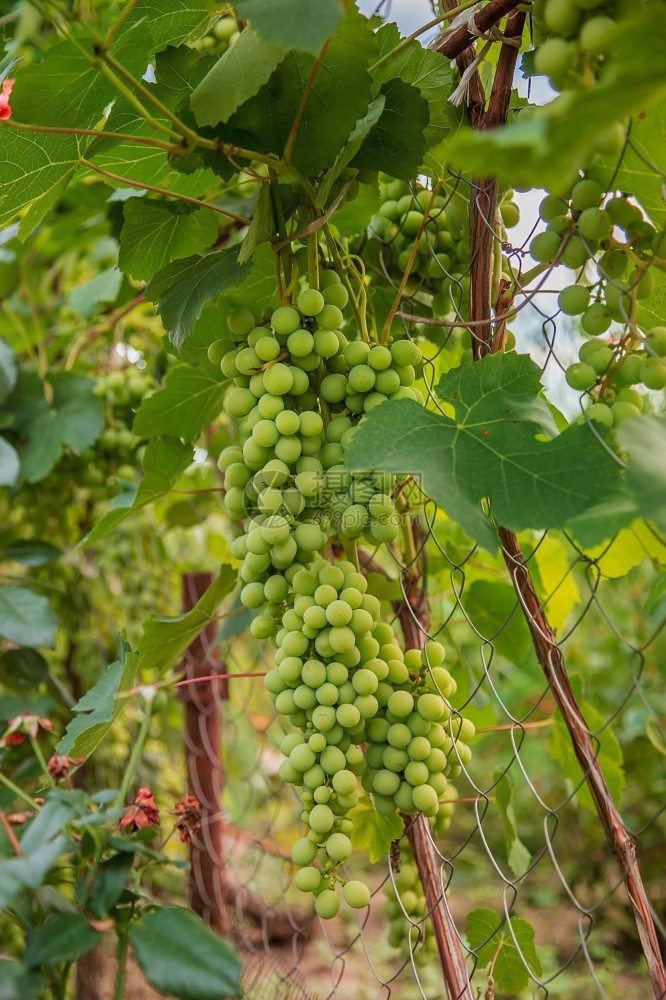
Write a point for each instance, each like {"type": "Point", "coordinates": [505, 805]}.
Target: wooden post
{"type": "Point", "coordinates": [204, 765]}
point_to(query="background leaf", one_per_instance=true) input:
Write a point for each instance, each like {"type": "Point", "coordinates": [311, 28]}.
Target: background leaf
{"type": "Point", "coordinates": [375, 831]}
{"type": "Point", "coordinates": [293, 24]}
{"type": "Point", "coordinates": [187, 403]}
{"type": "Point", "coordinates": [180, 955]}
{"type": "Point", "coordinates": [154, 232]}
{"type": "Point", "coordinates": [26, 618]}
{"type": "Point", "coordinates": [63, 938]}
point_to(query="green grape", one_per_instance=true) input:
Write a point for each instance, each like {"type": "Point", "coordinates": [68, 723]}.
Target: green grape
{"type": "Point", "coordinates": [336, 295]}
{"type": "Point", "coordinates": [596, 319]}
{"type": "Point", "coordinates": [575, 253]}
{"type": "Point", "coordinates": [551, 207]}
{"type": "Point", "coordinates": [594, 224]}
{"type": "Point", "coordinates": [240, 322]}
{"type": "Point", "coordinates": [300, 343]}
{"type": "Point", "coordinates": [622, 411]}
{"type": "Point", "coordinates": [597, 35]}
{"type": "Point", "coordinates": [285, 320]}
{"type": "Point", "coordinates": [545, 247]}
{"type": "Point", "coordinates": [278, 379]}
{"type": "Point", "coordinates": [628, 371]}
{"type": "Point", "coordinates": [554, 58]}
{"type": "Point", "coordinates": [356, 894]}
{"type": "Point", "coordinates": [308, 879]}
{"type": "Point", "coordinates": [303, 851]}
{"type": "Point", "coordinates": [653, 373]}
{"type": "Point", "coordinates": [310, 302]}
{"type": "Point", "coordinates": [327, 904]}
{"type": "Point", "coordinates": [586, 194]}
{"type": "Point", "coordinates": [600, 413]}
{"type": "Point", "coordinates": [562, 17]}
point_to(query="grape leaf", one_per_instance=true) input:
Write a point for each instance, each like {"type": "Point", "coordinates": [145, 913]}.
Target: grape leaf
{"type": "Point", "coordinates": [164, 460]}
{"type": "Point", "coordinates": [425, 70]}
{"type": "Point", "coordinates": [189, 401]}
{"type": "Point", "coordinates": [33, 169]}
{"type": "Point", "coordinates": [511, 948]}
{"type": "Point", "coordinates": [181, 288]}
{"type": "Point", "coordinates": [164, 640]}
{"type": "Point", "coordinates": [67, 88]}
{"type": "Point", "coordinates": [639, 171]}
{"type": "Point", "coordinates": [173, 22]}
{"type": "Point", "coordinates": [643, 440]}
{"type": "Point", "coordinates": [556, 581]}
{"type": "Point", "coordinates": [177, 72]}
{"type": "Point", "coordinates": [95, 712]}
{"type": "Point", "coordinates": [338, 96]}
{"type": "Point", "coordinates": [490, 449]}
{"type": "Point", "coordinates": [627, 549]}
{"type": "Point", "coordinates": [548, 148]}
{"type": "Point", "coordinates": [156, 231]}
{"type": "Point", "coordinates": [494, 611]}
{"type": "Point", "coordinates": [10, 464]}
{"type": "Point", "coordinates": [236, 76]}
{"type": "Point", "coordinates": [26, 618]}
{"type": "Point", "coordinates": [261, 228]}
{"type": "Point", "coordinates": [64, 937]}
{"type": "Point", "coordinates": [183, 957]}
{"type": "Point", "coordinates": [373, 830]}
{"type": "Point", "coordinates": [396, 144]}
{"type": "Point", "coordinates": [100, 290]}
{"type": "Point", "coordinates": [75, 417]}
{"type": "Point", "coordinates": [8, 372]}
{"type": "Point", "coordinates": [350, 149]}
{"type": "Point", "coordinates": [293, 24]}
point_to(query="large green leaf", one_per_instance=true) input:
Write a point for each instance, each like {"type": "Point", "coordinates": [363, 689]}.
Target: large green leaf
{"type": "Point", "coordinates": [67, 88]}
{"type": "Point", "coordinates": [396, 144]}
{"type": "Point", "coordinates": [96, 710]}
{"type": "Point", "coordinates": [63, 938]}
{"type": "Point", "coordinates": [518, 856]}
{"type": "Point", "coordinates": [510, 948]}
{"type": "Point", "coordinates": [183, 957]}
{"type": "Point", "coordinates": [492, 448]}
{"type": "Point", "coordinates": [10, 464]}
{"type": "Point", "coordinates": [428, 72]}
{"type": "Point", "coordinates": [164, 640]}
{"type": "Point", "coordinates": [187, 403]}
{"type": "Point", "coordinates": [643, 440]}
{"type": "Point", "coordinates": [494, 611]}
{"type": "Point", "coordinates": [639, 172]}
{"type": "Point", "coordinates": [293, 24]}
{"type": "Point", "coordinates": [26, 618]}
{"type": "Point", "coordinates": [548, 147]}
{"type": "Point", "coordinates": [177, 72]}
{"type": "Point", "coordinates": [154, 232]}
{"type": "Point", "coordinates": [339, 95]}
{"type": "Point", "coordinates": [236, 76]}
{"type": "Point", "coordinates": [73, 418]}
{"type": "Point", "coordinates": [17, 983]}
{"type": "Point", "coordinates": [33, 169]}
{"type": "Point", "coordinates": [163, 462]}
{"type": "Point", "coordinates": [350, 148]}
{"type": "Point", "coordinates": [181, 288]}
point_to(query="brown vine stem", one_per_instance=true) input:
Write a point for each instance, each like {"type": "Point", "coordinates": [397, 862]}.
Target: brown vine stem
{"type": "Point", "coordinates": [165, 193]}
{"type": "Point", "coordinates": [544, 639]}
{"type": "Point", "coordinates": [414, 615]}
{"type": "Point", "coordinates": [452, 45]}
{"type": "Point", "coordinates": [169, 147]}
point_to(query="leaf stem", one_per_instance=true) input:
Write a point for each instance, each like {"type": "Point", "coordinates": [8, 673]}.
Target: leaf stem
{"type": "Point", "coordinates": [134, 101]}
{"type": "Point", "coordinates": [18, 792]}
{"type": "Point", "coordinates": [108, 39]}
{"type": "Point", "coordinates": [37, 750]}
{"type": "Point", "coordinates": [165, 193]}
{"type": "Point", "coordinates": [170, 147]}
{"type": "Point", "coordinates": [133, 761]}
{"type": "Point", "coordinates": [121, 964]}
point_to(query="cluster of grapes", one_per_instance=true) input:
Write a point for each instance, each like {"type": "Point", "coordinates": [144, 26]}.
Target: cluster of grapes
{"type": "Point", "coordinates": [405, 908]}
{"type": "Point", "coordinates": [221, 35]}
{"type": "Point", "coordinates": [589, 225]}
{"type": "Point", "coordinates": [442, 252]}
{"type": "Point", "coordinates": [299, 390]}
{"type": "Point", "coordinates": [579, 35]}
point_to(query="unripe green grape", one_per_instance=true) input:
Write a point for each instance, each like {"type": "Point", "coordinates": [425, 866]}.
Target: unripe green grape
{"type": "Point", "coordinates": [285, 320]}
{"type": "Point", "coordinates": [510, 213]}
{"type": "Point", "coordinates": [330, 318]}
{"type": "Point", "coordinates": [613, 264]}
{"type": "Point", "coordinates": [594, 224]}
{"type": "Point", "coordinates": [623, 213]}
{"type": "Point", "coordinates": [278, 379]}
{"type": "Point", "coordinates": [336, 295]}
{"type": "Point", "coordinates": [644, 282]}
{"type": "Point", "coordinates": [632, 396]}
{"type": "Point", "coordinates": [333, 388]}
{"type": "Point", "coordinates": [581, 376]}
{"type": "Point", "coordinates": [362, 378]}
{"type": "Point", "coordinates": [240, 322]}
{"type": "Point", "coordinates": [326, 343]}
{"type": "Point", "coordinates": [252, 595]}
{"type": "Point", "coordinates": [303, 852]}
{"type": "Point", "coordinates": [307, 879]}
{"type": "Point", "coordinates": [563, 17]}
{"type": "Point", "coordinates": [333, 759]}
{"type": "Point", "coordinates": [327, 904]}
{"type": "Point", "coordinates": [653, 373]}
{"type": "Point", "coordinates": [628, 372]}
{"type": "Point", "coordinates": [600, 413]}
{"type": "Point", "coordinates": [596, 319]}
{"type": "Point", "coordinates": [401, 703]}
{"type": "Point", "coordinates": [356, 894]}
{"type": "Point", "coordinates": [597, 35]}
{"type": "Point", "coordinates": [576, 253]}
{"type": "Point", "coordinates": [323, 718]}
{"type": "Point", "coordinates": [311, 424]}
{"type": "Point", "coordinates": [379, 358]}
{"type": "Point", "coordinates": [310, 302]}
{"type": "Point", "coordinates": [431, 707]}
{"type": "Point", "coordinates": [425, 799]}
{"type": "Point", "coordinates": [238, 402]}
{"type": "Point", "coordinates": [338, 847]}
{"type": "Point", "coordinates": [545, 247]}
{"type": "Point", "coordinates": [218, 349]}
{"type": "Point", "coordinates": [586, 194]}
{"type": "Point", "coordinates": [411, 222]}
{"type": "Point", "coordinates": [551, 207]}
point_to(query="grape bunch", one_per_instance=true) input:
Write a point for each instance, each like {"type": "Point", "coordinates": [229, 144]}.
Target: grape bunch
{"type": "Point", "coordinates": [591, 226]}
{"type": "Point", "coordinates": [299, 387]}
{"type": "Point", "coordinates": [406, 909]}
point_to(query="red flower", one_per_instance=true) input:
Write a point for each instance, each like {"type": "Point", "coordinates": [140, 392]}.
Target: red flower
{"type": "Point", "coordinates": [143, 811]}
{"type": "Point", "coordinates": [5, 109]}
{"type": "Point", "coordinates": [189, 818]}
{"type": "Point", "coordinates": [24, 725]}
